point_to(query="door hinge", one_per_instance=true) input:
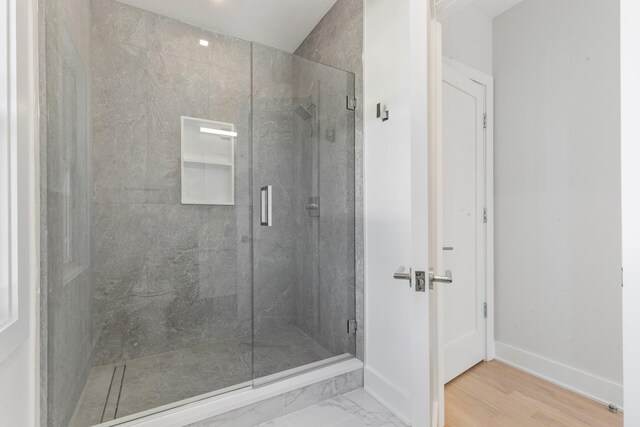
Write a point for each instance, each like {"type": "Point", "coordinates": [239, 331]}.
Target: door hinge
{"type": "Point", "coordinates": [484, 122]}
{"type": "Point", "coordinates": [352, 326]}
{"type": "Point", "coordinates": [352, 103]}
{"type": "Point", "coordinates": [484, 215]}
{"type": "Point", "coordinates": [485, 310]}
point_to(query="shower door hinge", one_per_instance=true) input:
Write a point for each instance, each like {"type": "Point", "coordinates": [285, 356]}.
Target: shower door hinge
{"type": "Point", "coordinates": [485, 310]}
{"type": "Point", "coordinates": [352, 326]}
{"type": "Point", "coordinates": [484, 123]}
{"type": "Point", "coordinates": [484, 215]}
{"type": "Point", "coordinates": [352, 103]}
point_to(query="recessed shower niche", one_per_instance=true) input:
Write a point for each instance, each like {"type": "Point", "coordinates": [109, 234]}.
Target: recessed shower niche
{"type": "Point", "coordinates": [207, 162]}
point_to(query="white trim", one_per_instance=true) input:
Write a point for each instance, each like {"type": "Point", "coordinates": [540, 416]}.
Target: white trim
{"type": "Point", "coordinates": [388, 394]}
{"type": "Point", "coordinates": [5, 168]}
{"type": "Point", "coordinates": [630, 154]}
{"type": "Point", "coordinates": [19, 371]}
{"type": "Point", "coordinates": [436, 256]}
{"type": "Point", "coordinates": [580, 382]}
{"type": "Point", "coordinates": [487, 81]}
{"type": "Point", "coordinates": [420, 115]}
{"type": "Point", "coordinates": [211, 407]}
{"type": "Point", "coordinates": [20, 119]}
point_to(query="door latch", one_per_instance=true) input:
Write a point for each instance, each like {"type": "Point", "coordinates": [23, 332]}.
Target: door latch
{"type": "Point", "coordinates": [421, 280]}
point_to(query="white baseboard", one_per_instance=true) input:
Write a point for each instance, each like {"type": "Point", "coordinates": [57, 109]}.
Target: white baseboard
{"type": "Point", "coordinates": [580, 382]}
{"type": "Point", "coordinates": [388, 394]}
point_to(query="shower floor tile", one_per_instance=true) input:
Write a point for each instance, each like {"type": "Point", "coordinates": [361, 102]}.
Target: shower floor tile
{"type": "Point", "coordinates": [121, 389]}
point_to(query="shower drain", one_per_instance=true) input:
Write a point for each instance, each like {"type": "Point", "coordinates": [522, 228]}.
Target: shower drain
{"type": "Point", "coordinates": [110, 409]}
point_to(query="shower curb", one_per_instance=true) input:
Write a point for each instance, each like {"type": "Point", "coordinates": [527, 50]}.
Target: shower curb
{"type": "Point", "coordinates": [251, 406]}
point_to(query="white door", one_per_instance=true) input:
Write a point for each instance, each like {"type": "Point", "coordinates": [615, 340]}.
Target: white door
{"type": "Point", "coordinates": [463, 238]}
{"type": "Point", "coordinates": [396, 207]}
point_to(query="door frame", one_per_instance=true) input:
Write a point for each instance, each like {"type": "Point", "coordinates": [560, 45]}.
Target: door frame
{"type": "Point", "coordinates": [437, 356]}
{"type": "Point", "coordinates": [485, 81]}
{"type": "Point", "coordinates": [630, 155]}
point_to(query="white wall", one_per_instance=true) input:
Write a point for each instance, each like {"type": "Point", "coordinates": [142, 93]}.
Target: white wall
{"type": "Point", "coordinates": [395, 188]}
{"type": "Point", "coordinates": [557, 192]}
{"type": "Point", "coordinates": [630, 15]}
{"type": "Point", "coordinates": [467, 37]}
{"type": "Point", "coordinates": [387, 221]}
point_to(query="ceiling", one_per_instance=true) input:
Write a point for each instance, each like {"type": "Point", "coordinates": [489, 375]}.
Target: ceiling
{"type": "Point", "coordinates": [283, 24]}
{"type": "Point", "coordinates": [493, 8]}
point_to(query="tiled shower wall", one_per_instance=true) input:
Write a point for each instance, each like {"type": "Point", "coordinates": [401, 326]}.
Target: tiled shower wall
{"type": "Point", "coordinates": [67, 302]}
{"type": "Point", "coordinates": [169, 275]}
{"type": "Point", "coordinates": [276, 153]}
{"type": "Point", "coordinates": [337, 41]}
{"type": "Point", "coordinates": [166, 275]}
{"type": "Point", "coordinates": [325, 295]}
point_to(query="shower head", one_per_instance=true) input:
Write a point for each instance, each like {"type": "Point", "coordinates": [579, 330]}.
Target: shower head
{"type": "Point", "coordinates": [304, 113]}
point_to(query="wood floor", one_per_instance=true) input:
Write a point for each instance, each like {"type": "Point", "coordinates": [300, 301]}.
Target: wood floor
{"type": "Point", "coordinates": [496, 395]}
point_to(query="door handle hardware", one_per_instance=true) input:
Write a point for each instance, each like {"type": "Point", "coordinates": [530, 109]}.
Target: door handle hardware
{"type": "Point", "coordinates": [447, 248]}
{"type": "Point", "coordinates": [266, 206]}
{"type": "Point", "coordinates": [421, 285]}
{"type": "Point", "coordinates": [401, 275]}
{"type": "Point", "coordinates": [440, 279]}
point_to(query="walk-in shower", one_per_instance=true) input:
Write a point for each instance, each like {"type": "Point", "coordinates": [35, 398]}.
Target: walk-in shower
{"type": "Point", "coordinates": [185, 292]}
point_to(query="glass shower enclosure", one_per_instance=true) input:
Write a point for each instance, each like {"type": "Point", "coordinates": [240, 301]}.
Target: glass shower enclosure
{"type": "Point", "coordinates": [304, 219]}
{"type": "Point", "coordinates": [215, 186]}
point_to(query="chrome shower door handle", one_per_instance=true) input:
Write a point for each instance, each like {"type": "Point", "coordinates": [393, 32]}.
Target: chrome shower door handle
{"type": "Point", "coordinates": [266, 206]}
{"type": "Point", "coordinates": [401, 275]}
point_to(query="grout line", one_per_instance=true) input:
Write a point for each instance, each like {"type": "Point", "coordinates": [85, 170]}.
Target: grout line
{"type": "Point", "coordinates": [106, 400]}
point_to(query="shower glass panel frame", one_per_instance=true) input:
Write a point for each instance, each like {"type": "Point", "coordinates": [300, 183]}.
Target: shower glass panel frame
{"type": "Point", "coordinates": [303, 148]}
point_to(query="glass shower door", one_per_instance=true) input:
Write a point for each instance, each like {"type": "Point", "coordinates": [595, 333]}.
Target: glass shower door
{"type": "Point", "coordinates": [304, 213]}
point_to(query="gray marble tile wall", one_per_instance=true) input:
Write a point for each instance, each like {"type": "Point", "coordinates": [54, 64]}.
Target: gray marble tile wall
{"type": "Point", "coordinates": [67, 303]}
{"type": "Point", "coordinates": [304, 264]}
{"type": "Point", "coordinates": [337, 41]}
{"type": "Point", "coordinates": [276, 153]}
{"type": "Point", "coordinates": [326, 288]}
{"type": "Point", "coordinates": [166, 275]}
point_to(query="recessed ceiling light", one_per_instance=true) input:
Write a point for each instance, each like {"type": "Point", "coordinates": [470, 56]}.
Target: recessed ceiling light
{"type": "Point", "coordinates": [204, 43]}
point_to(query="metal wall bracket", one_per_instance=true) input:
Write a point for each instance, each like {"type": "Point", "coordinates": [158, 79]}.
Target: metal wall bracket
{"type": "Point", "coordinates": [352, 103]}
{"type": "Point", "coordinates": [382, 113]}
{"type": "Point", "coordinates": [352, 326]}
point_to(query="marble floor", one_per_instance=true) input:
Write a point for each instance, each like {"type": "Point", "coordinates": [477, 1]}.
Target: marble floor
{"type": "Point", "coordinates": [355, 409]}
{"type": "Point", "coordinates": [121, 389]}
